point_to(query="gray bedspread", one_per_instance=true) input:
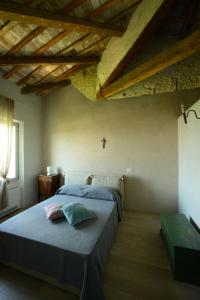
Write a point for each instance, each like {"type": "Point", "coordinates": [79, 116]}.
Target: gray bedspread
{"type": "Point", "coordinates": [74, 255]}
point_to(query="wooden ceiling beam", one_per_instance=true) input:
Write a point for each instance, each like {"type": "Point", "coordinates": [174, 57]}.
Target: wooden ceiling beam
{"type": "Point", "coordinates": [140, 29]}
{"type": "Point", "coordinates": [20, 13]}
{"type": "Point", "coordinates": [74, 68]}
{"type": "Point", "coordinates": [9, 25]}
{"type": "Point", "coordinates": [115, 18]}
{"type": "Point", "coordinates": [44, 86]}
{"type": "Point", "coordinates": [66, 9]}
{"type": "Point", "coordinates": [52, 42]}
{"type": "Point", "coordinates": [39, 68]}
{"type": "Point", "coordinates": [99, 10]}
{"type": "Point", "coordinates": [174, 54]}
{"type": "Point", "coordinates": [46, 60]}
{"type": "Point", "coordinates": [72, 5]}
{"type": "Point", "coordinates": [39, 51]}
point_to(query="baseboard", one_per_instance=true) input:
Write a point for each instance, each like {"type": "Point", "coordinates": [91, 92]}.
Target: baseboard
{"type": "Point", "coordinates": [8, 211]}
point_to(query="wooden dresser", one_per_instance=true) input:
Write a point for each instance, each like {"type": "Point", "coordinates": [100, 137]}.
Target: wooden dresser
{"type": "Point", "coordinates": [47, 186]}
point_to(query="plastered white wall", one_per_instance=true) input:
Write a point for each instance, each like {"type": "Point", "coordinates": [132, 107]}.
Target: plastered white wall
{"type": "Point", "coordinates": [189, 167]}
{"type": "Point", "coordinates": [141, 133]}
{"type": "Point", "coordinates": [27, 110]}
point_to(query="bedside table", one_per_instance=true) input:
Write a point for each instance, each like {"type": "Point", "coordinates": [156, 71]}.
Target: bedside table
{"type": "Point", "coordinates": [47, 186]}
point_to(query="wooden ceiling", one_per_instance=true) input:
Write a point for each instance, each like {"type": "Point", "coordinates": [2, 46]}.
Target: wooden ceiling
{"type": "Point", "coordinates": [68, 36]}
{"type": "Point", "coordinates": [44, 42]}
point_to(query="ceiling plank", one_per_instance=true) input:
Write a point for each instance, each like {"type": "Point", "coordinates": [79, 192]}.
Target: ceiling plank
{"type": "Point", "coordinates": [9, 25]}
{"type": "Point", "coordinates": [68, 73]}
{"type": "Point", "coordinates": [115, 18]}
{"type": "Point", "coordinates": [29, 75]}
{"type": "Point", "coordinates": [174, 54]}
{"type": "Point", "coordinates": [44, 86]}
{"type": "Point", "coordinates": [52, 42]}
{"type": "Point", "coordinates": [47, 60]}
{"type": "Point", "coordinates": [23, 14]}
{"type": "Point", "coordinates": [141, 27]}
{"type": "Point", "coordinates": [25, 40]}
{"type": "Point", "coordinates": [51, 74]}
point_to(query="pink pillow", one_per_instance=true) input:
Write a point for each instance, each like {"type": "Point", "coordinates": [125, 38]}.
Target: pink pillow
{"type": "Point", "coordinates": [54, 211]}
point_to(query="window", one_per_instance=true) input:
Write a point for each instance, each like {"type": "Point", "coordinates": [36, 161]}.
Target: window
{"type": "Point", "coordinates": [13, 172]}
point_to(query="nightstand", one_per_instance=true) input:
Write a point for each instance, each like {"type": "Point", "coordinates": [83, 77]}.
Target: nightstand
{"type": "Point", "coordinates": [47, 186]}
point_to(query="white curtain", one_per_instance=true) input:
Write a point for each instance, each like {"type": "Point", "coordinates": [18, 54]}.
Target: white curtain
{"type": "Point", "coordinates": [6, 129]}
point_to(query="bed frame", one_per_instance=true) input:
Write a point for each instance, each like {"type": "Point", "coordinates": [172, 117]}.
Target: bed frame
{"type": "Point", "coordinates": [64, 286]}
{"type": "Point", "coordinates": [115, 181]}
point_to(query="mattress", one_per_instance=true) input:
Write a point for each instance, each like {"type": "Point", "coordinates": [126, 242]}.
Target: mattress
{"type": "Point", "coordinates": [71, 255]}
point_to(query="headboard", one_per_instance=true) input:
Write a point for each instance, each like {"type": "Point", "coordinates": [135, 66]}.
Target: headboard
{"type": "Point", "coordinates": [115, 181]}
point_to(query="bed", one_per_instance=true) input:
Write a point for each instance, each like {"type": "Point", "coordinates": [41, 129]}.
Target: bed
{"type": "Point", "coordinates": [75, 256]}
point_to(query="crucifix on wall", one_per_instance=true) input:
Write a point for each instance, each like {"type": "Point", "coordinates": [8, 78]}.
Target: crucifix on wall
{"type": "Point", "coordinates": [103, 141]}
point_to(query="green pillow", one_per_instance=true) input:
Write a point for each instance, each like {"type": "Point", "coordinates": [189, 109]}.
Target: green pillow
{"type": "Point", "coordinates": [76, 212]}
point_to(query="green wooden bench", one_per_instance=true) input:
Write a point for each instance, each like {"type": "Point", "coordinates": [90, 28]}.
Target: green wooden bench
{"type": "Point", "coordinates": [183, 244]}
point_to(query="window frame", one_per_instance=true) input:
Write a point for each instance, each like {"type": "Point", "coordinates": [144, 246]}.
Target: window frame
{"type": "Point", "coordinates": [16, 178]}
